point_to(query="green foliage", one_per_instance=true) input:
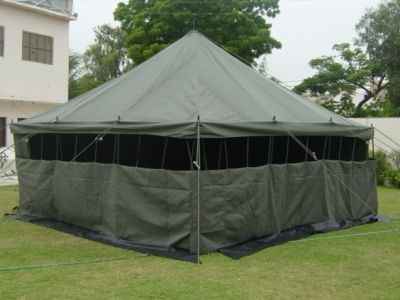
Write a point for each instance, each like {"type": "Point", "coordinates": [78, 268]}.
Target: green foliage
{"type": "Point", "coordinates": [379, 109]}
{"type": "Point", "coordinates": [393, 177]}
{"type": "Point", "coordinates": [387, 169]}
{"type": "Point", "coordinates": [240, 26]}
{"type": "Point", "coordinates": [379, 33]}
{"type": "Point", "coordinates": [80, 82]}
{"type": "Point", "coordinates": [343, 105]}
{"type": "Point", "coordinates": [383, 167]}
{"type": "Point", "coordinates": [74, 74]}
{"type": "Point", "coordinates": [395, 157]}
{"type": "Point", "coordinates": [104, 60]}
{"type": "Point", "coordinates": [373, 67]}
{"type": "Point", "coordinates": [341, 77]}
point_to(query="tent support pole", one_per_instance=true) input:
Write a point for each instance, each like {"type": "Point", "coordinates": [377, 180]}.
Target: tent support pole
{"type": "Point", "coordinates": [270, 150]}
{"type": "Point", "coordinates": [197, 164]}
{"type": "Point", "coordinates": [373, 141]}
{"type": "Point", "coordinates": [41, 147]}
{"type": "Point", "coordinates": [340, 148]}
{"type": "Point", "coordinates": [57, 145]}
{"type": "Point", "coordinates": [353, 151]}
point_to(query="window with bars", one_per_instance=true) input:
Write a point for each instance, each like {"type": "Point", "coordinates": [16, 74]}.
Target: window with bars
{"type": "Point", "coordinates": [37, 48]}
{"type": "Point", "coordinates": [1, 41]}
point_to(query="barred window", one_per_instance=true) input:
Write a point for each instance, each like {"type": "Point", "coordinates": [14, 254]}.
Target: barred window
{"type": "Point", "coordinates": [1, 41]}
{"type": "Point", "coordinates": [37, 48]}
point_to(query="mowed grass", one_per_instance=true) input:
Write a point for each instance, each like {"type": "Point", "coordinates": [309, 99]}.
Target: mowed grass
{"type": "Point", "coordinates": [341, 265]}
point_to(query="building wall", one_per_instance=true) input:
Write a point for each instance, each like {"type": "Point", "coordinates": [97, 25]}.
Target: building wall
{"type": "Point", "coordinates": [15, 110]}
{"type": "Point", "coordinates": [387, 129]}
{"type": "Point", "coordinates": [28, 88]}
{"type": "Point", "coordinates": [30, 81]}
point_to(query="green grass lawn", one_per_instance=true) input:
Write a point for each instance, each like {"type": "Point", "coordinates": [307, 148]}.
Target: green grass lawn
{"type": "Point", "coordinates": [339, 265]}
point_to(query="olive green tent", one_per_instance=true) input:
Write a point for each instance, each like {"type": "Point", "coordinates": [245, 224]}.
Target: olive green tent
{"type": "Point", "coordinates": [194, 150]}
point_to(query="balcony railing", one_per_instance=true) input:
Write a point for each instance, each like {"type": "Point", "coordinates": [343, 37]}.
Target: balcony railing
{"type": "Point", "coordinates": [63, 6]}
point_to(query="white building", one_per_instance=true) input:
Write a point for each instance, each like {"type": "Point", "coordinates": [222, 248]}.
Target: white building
{"type": "Point", "coordinates": [387, 133]}
{"type": "Point", "coordinates": [34, 50]}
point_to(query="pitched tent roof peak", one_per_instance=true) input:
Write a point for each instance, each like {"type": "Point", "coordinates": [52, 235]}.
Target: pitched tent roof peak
{"type": "Point", "coordinates": [192, 77]}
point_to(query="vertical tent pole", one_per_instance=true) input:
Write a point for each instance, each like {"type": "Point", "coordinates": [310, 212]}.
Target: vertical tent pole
{"type": "Point", "coordinates": [139, 143]}
{"type": "Point", "coordinates": [118, 149]}
{"type": "Point", "coordinates": [247, 151]}
{"type": "Point", "coordinates": [197, 164]}
{"type": "Point", "coordinates": [60, 141]}
{"type": "Point", "coordinates": [57, 144]}
{"type": "Point", "coordinates": [325, 146]}
{"type": "Point", "coordinates": [41, 147]}
{"type": "Point", "coordinates": [329, 148]}
{"type": "Point", "coordinates": [340, 148]}
{"type": "Point", "coordinates": [287, 150]}
{"type": "Point", "coordinates": [76, 146]}
{"type": "Point", "coordinates": [115, 149]}
{"type": "Point", "coordinates": [96, 144]}
{"type": "Point", "coordinates": [353, 150]}
{"type": "Point", "coordinates": [56, 153]}
{"type": "Point", "coordinates": [271, 150]}
{"type": "Point", "coordinates": [373, 141]}
{"type": "Point", "coordinates": [219, 155]}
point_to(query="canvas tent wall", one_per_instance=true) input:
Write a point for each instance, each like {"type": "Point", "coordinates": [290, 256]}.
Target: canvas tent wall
{"type": "Point", "coordinates": [119, 159]}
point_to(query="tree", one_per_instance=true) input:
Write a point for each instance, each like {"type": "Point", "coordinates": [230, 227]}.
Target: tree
{"type": "Point", "coordinates": [340, 78]}
{"type": "Point", "coordinates": [379, 32]}
{"type": "Point", "coordinates": [104, 60]}
{"type": "Point", "coordinates": [75, 65]}
{"type": "Point", "coordinates": [238, 25]}
{"type": "Point", "coordinates": [107, 58]}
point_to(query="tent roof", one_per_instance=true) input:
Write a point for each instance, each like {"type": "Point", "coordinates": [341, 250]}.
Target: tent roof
{"type": "Point", "coordinates": [193, 78]}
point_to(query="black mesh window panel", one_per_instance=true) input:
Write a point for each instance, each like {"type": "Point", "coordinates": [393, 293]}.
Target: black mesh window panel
{"type": "Point", "coordinates": [212, 154]}
{"type": "Point", "coordinates": [258, 151]}
{"type": "Point", "coordinates": [280, 150]}
{"type": "Point", "coordinates": [297, 150]}
{"type": "Point", "coordinates": [178, 154]}
{"type": "Point", "coordinates": [105, 149]}
{"type": "Point", "coordinates": [236, 153]}
{"type": "Point", "coordinates": [86, 148]}
{"type": "Point", "coordinates": [150, 154]}
{"type": "Point", "coordinates": [66, 147]}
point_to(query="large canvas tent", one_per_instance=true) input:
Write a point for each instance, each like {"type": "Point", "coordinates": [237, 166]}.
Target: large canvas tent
{"type": "Point", "coordinates": [194, 151]}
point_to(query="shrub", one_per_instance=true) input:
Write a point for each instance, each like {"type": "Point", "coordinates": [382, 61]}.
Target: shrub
{"type": "Point", "coordinates": [383, 167]}
{"type": "Point", "coordinates": [395, 158]}
{"type": "Point", "coordinates": [394, 178]}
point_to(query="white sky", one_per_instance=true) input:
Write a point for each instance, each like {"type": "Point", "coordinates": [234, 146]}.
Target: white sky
{"type": "Point", "coordinates": [306, 29]}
